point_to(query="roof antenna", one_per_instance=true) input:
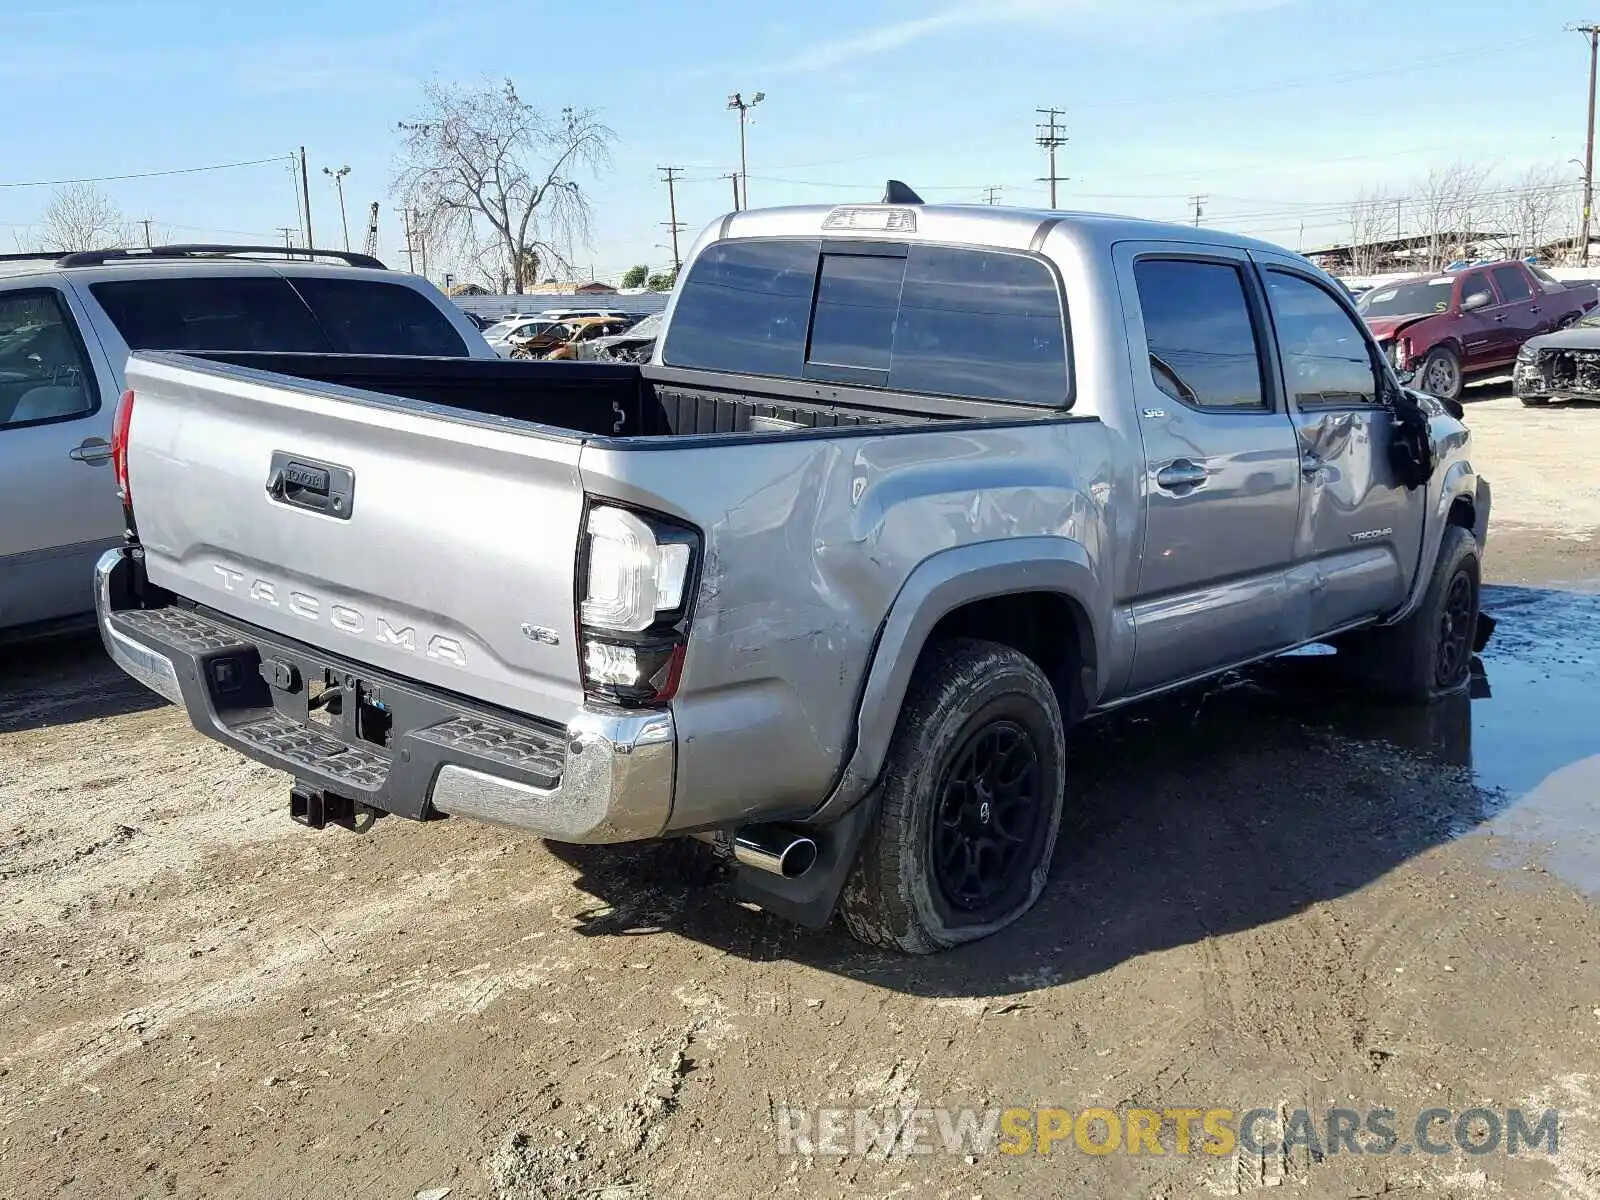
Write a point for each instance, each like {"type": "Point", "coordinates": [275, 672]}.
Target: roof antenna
{"type": "Point", "coordinates": [898, 193]}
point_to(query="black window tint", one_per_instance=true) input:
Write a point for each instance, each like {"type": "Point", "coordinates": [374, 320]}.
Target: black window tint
{"type": "Point", "coordinates": [211, 312]}
{"type": "Point", "coordinates": [857, 298]}
{"type": "Point", "coordinates": [1513, 287]}
{"type": "Point", "coordinates": [44, 375]}
{"type": "Point", "coordinates": [1199, 335]}
{"type": "Point", "coordinates": [1325, 355]}
{"type": "Point", "coordinates": [1476, 284]}
{"type": "Point", "coordinates": [980, 324]}
{"type": "Point", "coordinates": [745, 308]}
{"type": "Point", "coordinates": [363, 316]}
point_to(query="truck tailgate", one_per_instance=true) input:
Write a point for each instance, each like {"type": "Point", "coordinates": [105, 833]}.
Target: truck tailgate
{"type": "Point", "coordinates": [383, 530]}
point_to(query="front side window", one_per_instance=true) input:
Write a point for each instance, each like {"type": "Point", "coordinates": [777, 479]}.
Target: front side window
{"type": "Point", "coordinates": [1326, 358]}
{"type": "Point", "coordinates": [1199, 334]}
{"type": "Point", "coordinates": [1476, 291]}
{"type": "Point", "coordinates": [44, 373]}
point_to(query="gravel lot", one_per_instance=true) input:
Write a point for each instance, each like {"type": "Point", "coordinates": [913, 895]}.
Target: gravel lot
{"type": "Point", "coordinates": [1268, 895]}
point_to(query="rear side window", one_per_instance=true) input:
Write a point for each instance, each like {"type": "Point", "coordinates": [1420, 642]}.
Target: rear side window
{"type": "Point", "coordinates": [943, 320]}
{"type": "Point", "coordinates": [1513, 287]}
{"type": "Point", "coordinates": [313, 315]}
{"type": "Point", "coordinates": [362, 316]}
{"type": "Point", "coordinates": [44, 373]}
{"type": "Point", "coordinates": [1199, 334]}
{"type": "Point", "coordinates": [211, 312]}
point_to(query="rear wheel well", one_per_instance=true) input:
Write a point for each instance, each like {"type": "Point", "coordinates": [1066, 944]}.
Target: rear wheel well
{"type": "Point", "coordinates": [1051, 629]}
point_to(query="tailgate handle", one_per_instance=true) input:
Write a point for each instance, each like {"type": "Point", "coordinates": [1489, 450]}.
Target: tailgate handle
{"type": "Point", "coordinates": [319, 487]}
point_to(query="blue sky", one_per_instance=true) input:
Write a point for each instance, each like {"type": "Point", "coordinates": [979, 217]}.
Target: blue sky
{"type": "Point", "coordinates": [1280, 110]}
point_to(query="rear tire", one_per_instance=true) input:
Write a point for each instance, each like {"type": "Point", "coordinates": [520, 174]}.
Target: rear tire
{"type": "Point", "coordinates": [1429, 654]}
{"type": "Point", "coordinates": [971, 805]}
{"type": "Point", "coordinates": [1441, 374]}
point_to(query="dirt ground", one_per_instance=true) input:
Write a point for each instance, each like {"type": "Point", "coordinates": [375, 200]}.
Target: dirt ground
{"type": "Point", "coordinates": [1268, 895]}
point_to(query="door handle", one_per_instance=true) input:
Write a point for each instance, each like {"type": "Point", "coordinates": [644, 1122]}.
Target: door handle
{"type": "Point", "coordinates": [91, 451]}
{"type": "Point", "coordinates": [1311, 464]}
{"type": "Point", "coordinates": [1533, 308]}
{"type": "Point", "coordinates": [1500, 318]}
{"type": "Point", "coordinates": [1181, 476]}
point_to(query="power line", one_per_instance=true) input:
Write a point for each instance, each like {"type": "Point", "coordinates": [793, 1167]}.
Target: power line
{"type": "Point", "coordinates": [1051, 136]}
{"type": "Point", "coordinates": [254, 162]}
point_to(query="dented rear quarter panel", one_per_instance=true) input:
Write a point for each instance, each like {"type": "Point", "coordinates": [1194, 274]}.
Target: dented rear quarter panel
{"type": "Point", "coordinates": [808, 542]}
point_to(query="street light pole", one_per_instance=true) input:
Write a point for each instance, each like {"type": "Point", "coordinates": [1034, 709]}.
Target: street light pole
{"type": "Point", "coordinates": [744, 106]}
{"type": "Point", "coordinates": [338, 183]}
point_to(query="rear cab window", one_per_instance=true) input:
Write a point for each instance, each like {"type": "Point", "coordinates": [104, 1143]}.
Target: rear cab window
{"type": "Point", "coordinates": [308, 314]}
{"type": "Point", "coordinates": [956, 321]}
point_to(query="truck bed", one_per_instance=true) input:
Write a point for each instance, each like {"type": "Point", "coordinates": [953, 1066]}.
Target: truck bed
{"type": "Point", "coordinates": [612, 400]}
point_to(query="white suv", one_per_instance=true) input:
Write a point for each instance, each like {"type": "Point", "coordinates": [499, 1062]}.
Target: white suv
{"type": "Point", "coordinates": [67, 325]}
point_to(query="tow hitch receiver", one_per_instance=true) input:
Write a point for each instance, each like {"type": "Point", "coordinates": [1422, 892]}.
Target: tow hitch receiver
{"type": "Point", "coordinates": [317, 810]}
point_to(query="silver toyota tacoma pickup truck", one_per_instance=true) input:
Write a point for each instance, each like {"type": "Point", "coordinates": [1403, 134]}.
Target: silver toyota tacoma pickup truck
{"type": "Point", "coordinates": [907, 492]}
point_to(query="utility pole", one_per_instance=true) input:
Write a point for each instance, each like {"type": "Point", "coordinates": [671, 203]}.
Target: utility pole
{"type": "Point", "coordinates": [735, 178]}
{"type": "Point", "coordinates": [1199, 203]}
{"type": "Point", "coordinates": [338, 183]}
{"type": "Point", "coordinates": [146, 224]}
{"type": "Point", "coordinates": [991, 195]}
{"type": "Point", "coordinates": [1051, 136]}
{"type": "Point", "coordinates": [411, 257]}
{"type": "Point", "coordinates": [288, 233]}
{"type": "Point", "coordinates": [305, 195]}
{"type": "Point", "coordinates": [737, 101]}
{"type": "Point", "coordinates": [1592, 32]}
{"type": "Point", "coordinates": [670, 176]}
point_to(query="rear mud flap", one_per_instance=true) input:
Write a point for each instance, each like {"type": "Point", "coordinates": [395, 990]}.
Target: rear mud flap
{"type": "Point", "coordinates": [809, 899]}
{"type": "Point", "coordinates": [1485, 631]}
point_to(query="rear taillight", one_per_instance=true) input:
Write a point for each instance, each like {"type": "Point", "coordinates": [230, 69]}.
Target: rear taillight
{"type": "Point", "coordinates": [636, 579]}
{"type": "Point", "coordinates": [119, 446]}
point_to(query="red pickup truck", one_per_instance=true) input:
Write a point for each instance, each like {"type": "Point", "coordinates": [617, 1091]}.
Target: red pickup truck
{"type": "Point", "coordinates": [1450, 327]}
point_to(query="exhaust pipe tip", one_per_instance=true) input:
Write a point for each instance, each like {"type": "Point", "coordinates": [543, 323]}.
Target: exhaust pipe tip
{"type": "Point", "coordinates": [776, 851]}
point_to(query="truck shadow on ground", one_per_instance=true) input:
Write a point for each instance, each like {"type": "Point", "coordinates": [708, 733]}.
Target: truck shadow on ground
{"type": "Point", "coordinates": [64, 680]}
{"type": "Point", "coordinates": [1206, 813]}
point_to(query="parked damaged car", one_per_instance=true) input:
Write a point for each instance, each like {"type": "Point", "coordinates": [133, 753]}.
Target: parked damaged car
{"type": "Point", "coordinates": [1560, 366]}
{"type": "Point", "coordinates": [1447, 329]}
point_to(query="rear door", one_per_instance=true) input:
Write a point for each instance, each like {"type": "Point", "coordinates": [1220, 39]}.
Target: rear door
{"type": "Point", "coordinates": [1360, 531]}
{"type": "Point", "coordinates": [58, 503]}
{"type": "Point", "coordinates": [449, 558]}
{"type": "Point", "coordinates": [1222, 465]}
{"type": "Point", "coordinates": [1520, 314]}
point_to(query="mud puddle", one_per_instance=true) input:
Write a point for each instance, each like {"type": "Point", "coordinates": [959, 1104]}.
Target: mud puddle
{"type": "Point", "coordinates": [1527, 738]}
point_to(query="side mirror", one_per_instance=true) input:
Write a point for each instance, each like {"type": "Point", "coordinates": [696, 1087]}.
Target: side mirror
{"type": "Point", "coordinates": [1406, 378]}
{"type": "Point", "coordinates": [1476, 301]}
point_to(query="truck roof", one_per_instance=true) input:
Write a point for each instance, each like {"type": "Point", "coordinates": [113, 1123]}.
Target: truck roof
{"type": "Point", "coordinates": [977, 224]}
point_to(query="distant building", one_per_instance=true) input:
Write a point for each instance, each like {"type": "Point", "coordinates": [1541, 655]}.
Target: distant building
{"type": "Point", "coordinates": [592, 288]}
{"type": "Point", "coordinates": [467, 289]}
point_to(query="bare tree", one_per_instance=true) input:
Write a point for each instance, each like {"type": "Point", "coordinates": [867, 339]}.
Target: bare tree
{"type": "Point", "coordinates": [1529, 210]}
{"type": "Point", "coordinates": [1369, 225]}
{"type": "Point", "coordinates": [82, 217]}
{"type": "Point", "coordinates": [494, 178]}
{"type": "Point", "coordinates": [1449, 203]}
